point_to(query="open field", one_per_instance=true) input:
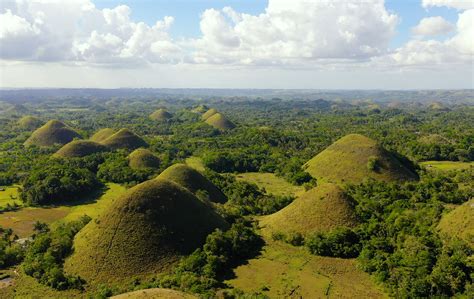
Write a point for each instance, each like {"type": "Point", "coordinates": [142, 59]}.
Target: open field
{"type": "Point", "coordinates": [447, 165]}
{"type": "Point", "coordinates": [271, 183]}
{"type": "Point", "coordinates": [285, 271]}
{"type": "Point", "coordinates": [9, 196]}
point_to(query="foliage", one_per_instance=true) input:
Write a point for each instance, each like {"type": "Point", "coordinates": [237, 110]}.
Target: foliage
{"type": "Point", "coordinates": [116, 169]}
{"type": "Point", "coordinates": [11, 252]}
{"type": "Point", "coordinates": [340, 242]}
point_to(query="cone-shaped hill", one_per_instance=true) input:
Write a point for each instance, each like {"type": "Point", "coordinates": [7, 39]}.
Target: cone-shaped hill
{"type": "Point", "coordinates": [80, 148]}
{"type": "Point", "coordinates": [126, 139]}
{"type": "Point", "coordinates": [355, 157]}
{"type": "Point", "coordinates": [220, 122]}
{"type": "Point", "coordinates": [102, 134]}
{"type": "Point", "coordinates": [142, 158]}
{"type": "Point", "coordinates": [29, 122]}
{"type": "Point", "coordinates": [209, 113]}
{"type": "Point", "coordinates": [459, 223]}
{"type": "Point", "coordinates": [200, 109]}
{"type": "Point", "coordinates": [160, 115]}
{"type": "Point", "coordinates": [146, 231]}
{"type": "Point", "coordinates": [320, 209]}
{"type": "Point", "coordinates": [51, 133]}
{"type": "Point", "coordinates": [192, 180]}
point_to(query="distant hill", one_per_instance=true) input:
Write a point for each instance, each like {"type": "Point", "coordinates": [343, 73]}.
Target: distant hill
{"type": "Point", "coordinates": [220, 122]}
{"type": "Point", "coordinates": [209, 113]}
{"type": "Point", "coordinates": [145, 232]}
{"type": "Point", "coordinates": [142, 158]}
{"type": "Point", "coordinates": [200, 109]}
{"type": "Point", "coordinates": [354, 158]}
{"type": "Point", "coordinates": [80, 148]}
{"type": "Point", "coordinates": [320, 209]}
{"type": "Point", "coordinates": [29, 122]}
{"type": "Point", "coordinates": [51, 133]}
{"type": "Point", "coordinates": [126, 139]}
{"type": "Point", "coordinates": [160, 115]}
{"type": "Point", "coordinates": [459, 223]}
{"type": "Point", "coordinates": [102, 134]}
{"type": "Point", "coordinates": [192, 180]}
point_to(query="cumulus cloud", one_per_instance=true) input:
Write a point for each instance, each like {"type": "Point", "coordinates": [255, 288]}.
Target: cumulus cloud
{"type": "Point", "coordinates": [432, 26]}
{"type": "Point", "coordinates": [297, 31]}
{"type": "Point", "coordinates": [457, 4]}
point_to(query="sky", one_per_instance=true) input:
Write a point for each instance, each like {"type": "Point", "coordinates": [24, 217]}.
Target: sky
{"type": "Point", "coordinates": [320, 44]}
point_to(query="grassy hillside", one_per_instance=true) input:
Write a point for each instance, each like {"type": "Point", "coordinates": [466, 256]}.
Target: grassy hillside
{"type": "Point", "coordinates": [220, 122]}
{"type": "Point", "coordinates": [447, 165]}
{"type": "Point", "coordinates": [102, 134]}
{"type": "Point", "coordinates": [144, 232]}
{"type": "Point", "coordinates": [53, 132]}
{"type": "Point", "coordinates": [196, 163]}
{"type": "Point", "coordinates": [126, 139]}
{"type": "Point", "coordinates": [160, 115]}
{"type": "Point", "coordinates": [271, 183]}
{"type": "Point", "coordinates": [10, 195]}
{"type": "Point", "coordinates": [142, 158]}
{"type": "Point", "coordinates": [29, 122]}
{"type": "Point", "coordinates": [200, 109]}
{"type": "Point", "coordinates": [155, 293]}
{"type": "Point", "coordinates": [459, 223]}
{"type": "Point", "coordinates": [318, 210]}
{"type": "Point", "coordinates": [354, 158]}
{"type": "Point", "coordinates": [192, 180]}
{"type": "Point", "coordinates": [80, 148]}
{"type": "Point", "coordinates": [209, 113]}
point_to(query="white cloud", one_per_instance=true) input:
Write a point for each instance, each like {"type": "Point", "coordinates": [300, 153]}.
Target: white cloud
{"type": "Point", "coordinates": [457, 4]}
{"type": "Point", "coordinates": [432, 26]}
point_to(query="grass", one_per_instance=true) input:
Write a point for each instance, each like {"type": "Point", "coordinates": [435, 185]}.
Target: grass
{"type": "Point", "coordinates": [447, 165]}
{"type": "Point", "coordinates": [29, 122]}
{"type": "Point", "coordinates": [102, 134]}
{"type": "Point", "coordinates": [80, 148]}
{"type": "Point", "coordinates": [284, 271]}
{"type": "Point", "coordinates": [192, 180]}
{"type": "Point", "coordinates": [160, 115]}
{"type": "Point", "coordinates": [124, 138]}
{"type": "Point", "coordinates": [271, 183]}
{"type": "Point", "coordinates": [196, 163]}
{"type": "Point", "coordinates": [53, 132]}
{"type": "Point", "coordinates": [10, 196]}
{"type": "Point", "coordinates": [318, 210]}
{"type": "Point", "coordinates": [459, 223]}
{"type": "Point", "coordinates": [155, 293]}
{"type": "Point", "coordinates": [143, 233]}
{"type": "Point", "coordinates": [347, 161]}
{"type": "Point", "coordinates": [143, 158]}
{"type": "Point", "coordinates": [209, 113]}
{"type": "Point", "coordinates": [220, 122]}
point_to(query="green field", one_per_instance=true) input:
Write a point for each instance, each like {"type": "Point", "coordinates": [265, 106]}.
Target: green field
{"type": "Point", "coordinates": [9, 196]}
{"type": "Point", "coordinates": [271, 183]}
{"type": "Point", "coordinates": [447, 165]}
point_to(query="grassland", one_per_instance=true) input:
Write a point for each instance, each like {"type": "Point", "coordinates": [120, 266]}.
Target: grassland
{"type": "Point", "coordinates": [271, 183]}
{"type": "Point", "coordinates": [155, 293]}
{"type": "Point", "coordinates": [51, 133]}
{"type": "Point", "coordinates": [447, 165]}
{"type": "Point", "coordinates": [284, 271]}
{"type": "Point", "coordinates": [219, 122]}
{"type": "Point", "coordinates": [459, 223]}
{"type": "Point", "coordinates": [10, 196]}
{"type": "Point", "coordinates": [196, 163]}
{"type": "Point", "coordinates": [125, 139]}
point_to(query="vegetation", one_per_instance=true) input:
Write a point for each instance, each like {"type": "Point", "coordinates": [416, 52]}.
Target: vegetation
{"type": "Point", "coordinates": [208, 113]}
{"type": "Point", "coordinates": [143, 159]}
{"type": "Point", "coordinates": [220, 122]}
{"type": "Point", "coordinates": [160, 115]}
{"type": "Point", "coordinates": [29, 123]}
{"type": "Point", "coordinates": [459, 223]}
{"type": "Point", "coordinates": [53, 132]}
{"type": "Point", "coordinates": [102, 135]}
{"type": "Point", "coordinates": [124, 139]}
{"type": "Point", "coordinates": [80, 148]}
{"type": "Point", "coordinates": [11, 253]}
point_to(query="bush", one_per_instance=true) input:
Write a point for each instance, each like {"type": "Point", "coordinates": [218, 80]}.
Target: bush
{"type": "Point", "coordinates": [340, 242]}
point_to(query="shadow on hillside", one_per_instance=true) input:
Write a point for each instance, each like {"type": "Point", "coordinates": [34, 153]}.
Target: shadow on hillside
{"type": "Point", "coordinates": [80, 199]}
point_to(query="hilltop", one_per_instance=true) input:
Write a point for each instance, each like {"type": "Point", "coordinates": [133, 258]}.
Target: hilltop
{"type": "Point", "coordinates": [102, 134]}
{"type": "Point", "coordinates": [220, 122]}
{"type": "Point", "coordinates": [124, 138]}
{"type": "Point", "coordinates": [354, 158]}
{"type": "Point", "coordinates": [143, 158]}
{"type": "Point", "coordinates": [51, 133]}
{"type": "Point", "coordinates": [200, 109]}
{"type": "Point", "coordinates": [29, 122]}
{"type": "Point", "coordinates": [80, 148]}
{"type": "Point", "coordinates": [146, 231]}
{"type": "Point", "coordinates": [459, 223]}
{"type": "Point", "coordinates": [192, 180]}
{"type": "Point", "coordinates": [318, 210]}
{"type": "Point", "coordinates": [160, 115]}
{"type": "Point", "coordinates": [209, 113]}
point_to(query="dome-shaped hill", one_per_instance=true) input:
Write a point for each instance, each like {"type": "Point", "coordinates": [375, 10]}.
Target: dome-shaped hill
{"type": "Point", "coordinates": [220, 122]}
{"type": "Point", "coordinates": [160, 115]}
{"type": "Point", "coordinates": [29, 123]}
{"type": "Point", "coordinates": [320, 209]}
{"type": "Point", "coordinates": [459, 223]}
{"type": "Point", "coordinates": [80, 148]}
{"type": "Point", "coordinates": [192, 180]}
{"type": "Point", "coordinates": [353, 158]}
{"type": "Point", "coordinates": [209, 113]}
{"type": "Point", "coordinates": [102, 134]}
{"type": "Point", "coordinates": [145, 232]}
{"type": "Point", "coordinates": [124, 138]}
{"type": "Point", "coordinates": [51, 133]}
{"type": "Point", "coordinates": [200, 109]}
{"type": "Point", "coordinates": [143, 158]}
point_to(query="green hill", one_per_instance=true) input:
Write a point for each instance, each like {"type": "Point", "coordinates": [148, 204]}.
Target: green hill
{"type": "Point", "coordinates": [155, 293]}
{"type": "Point", "coordinates": [459, 223]}
{"type": "Point", "coordinates": [160, 115]}
{"type": "Point", "coordinates": [192, 180]}
{"type": "Point", "coordinates": [143, 158]}
{"type": "Point", "coordinates": [29, 122]}
{"type": "Point", "coordinates": [51, 133]}
{"type": "Point", "coordinates": [354, 158]}
{"type": "Point", "coordinates": [102, 134]}
{"type": "Point", "coordinates": [209, 113]}
{"type": "Point", "coordinates": [200, 109]}
{"type": "Point", "coordinates": [220, 122]}
{"type": "Point", "coordinates": [80, 148]}
{"type": "Point", "coordinates": [126, 139]}
{"type": "Point", "coordinates": [145, 232]}
{"type": "Point", "coordinates": [320, 209]}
